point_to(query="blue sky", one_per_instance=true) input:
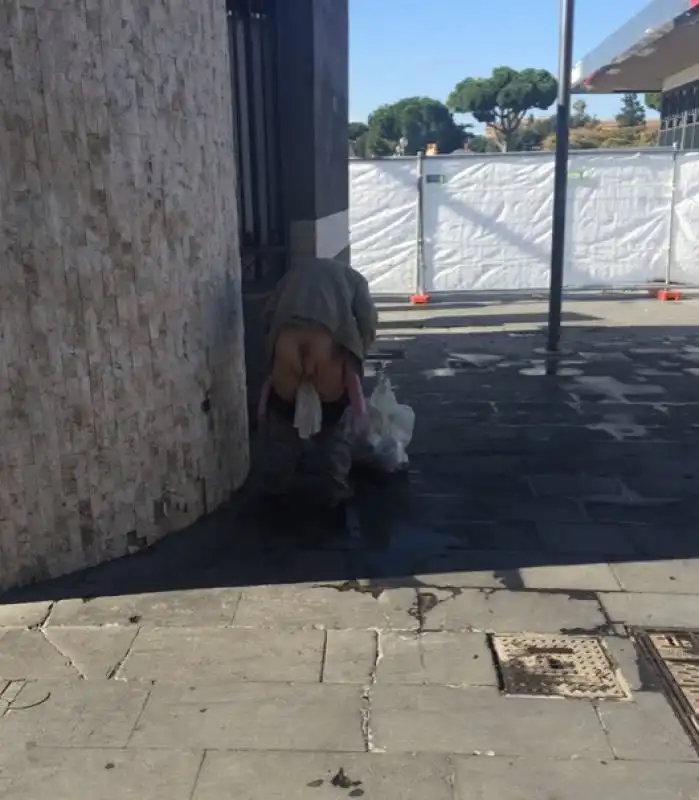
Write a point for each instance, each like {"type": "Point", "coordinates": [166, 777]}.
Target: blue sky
{"type": "Point", "coordinates": [405, 48]}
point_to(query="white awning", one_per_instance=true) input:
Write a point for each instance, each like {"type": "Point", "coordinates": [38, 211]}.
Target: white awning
{"type": "Point", "coordinates": [660, 41]}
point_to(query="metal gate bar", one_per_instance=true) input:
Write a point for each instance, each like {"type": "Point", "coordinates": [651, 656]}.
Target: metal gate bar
{"type": "Point", "coordinates": [252, 29]}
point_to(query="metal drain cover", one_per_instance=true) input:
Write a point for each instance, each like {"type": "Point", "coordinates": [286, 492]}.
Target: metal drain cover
{"type": "Point", "coordinates": [557, 666]}
{"type": "Point", "coordinates": [676, 656]}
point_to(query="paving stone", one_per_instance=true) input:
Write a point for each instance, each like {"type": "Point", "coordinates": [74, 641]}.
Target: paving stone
{"type": "Point", "coordinates": [96, 652]}
{"type": "Point", "coordinates": [552, 511]}
{"type": "Point", "coordinates": [585, 577]}
{"type": "Point", "coordinates": [28, 654]}
{"type": "Point", "coordinates": [191, 655]}
{"type": "Point", "coordinates": [481, 570]}
{"type": "Point", "coordinates": [301, 776]}
{"type": "Point", "coordinates": [205, 607]}
{"type": "Point", "coordinates": [350, 656]}
{"type": "Point", "coordinates": [507, 536]}
{"type": "Point", "coordinates": [646, 730]}
{"type": "Point", "coordinates": [664, 541]}
{"type": "Point", "coordinates": [78, 714]}
{"type": "Point", "coordinates": [253, 716]}
{"type": "Point", "coordinates": [676, 576]}
{"type": "Point", "coordinates": [581, 779]}
{"type": "Point", "coordinates": [3, 701]}
{"type": "Point", "coordinates": [437, 719]}
{"type": "Point", "coordinates": [23, 615]}
{"type": "Point", "coordinates": [509, 612]}
{"type": "Point", "coordinates": [347, 606]}
{"type": "Point", "coordinates": [637, 674]}
{"type": "Point", "coordinates": [448, 659]}
{"type": "Point", "coordinates": [587, 538]}
{"type": "Point", "coordinates": [652, 610]}
{"type": "Point", "coordinates": [105, 774]}
{"type": "Point", "coordinates": [573, 485]}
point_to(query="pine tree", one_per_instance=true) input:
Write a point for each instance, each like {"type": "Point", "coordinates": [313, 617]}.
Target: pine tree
{"type": "Point", "coordinates": [632, 114]}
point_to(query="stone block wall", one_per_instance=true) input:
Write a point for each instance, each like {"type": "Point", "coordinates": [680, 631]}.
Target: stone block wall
{"type": "Point", "coordinates": [122, 379]}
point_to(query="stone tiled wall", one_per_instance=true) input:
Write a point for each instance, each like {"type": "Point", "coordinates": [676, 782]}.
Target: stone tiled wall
{"type": "Point", "coordinates": [122, 379]}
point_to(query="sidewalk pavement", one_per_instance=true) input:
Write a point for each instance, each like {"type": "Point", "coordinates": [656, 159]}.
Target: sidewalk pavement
{"type": "Point", "coordinates": [237, 661]}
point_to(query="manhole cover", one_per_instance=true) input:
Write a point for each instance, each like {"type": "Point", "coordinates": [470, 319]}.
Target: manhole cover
{"type": "Point", "coordinates": [675, 654]}
{"type": "Point", "coordinates": [559, 666]}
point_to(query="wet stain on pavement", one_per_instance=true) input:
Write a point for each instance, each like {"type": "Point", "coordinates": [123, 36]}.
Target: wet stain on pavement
{"type": "Point", "coordinates": [354, 586]}
{"type": "Point", "coordinates": [343, 781]}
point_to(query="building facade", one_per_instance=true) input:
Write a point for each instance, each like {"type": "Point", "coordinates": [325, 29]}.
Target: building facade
{"type": "Point", "coordinates": [140, 205]}
{"type": "Point", "coordinates": [679, 123]}
{"type": "Point", "coordinates": [656, 51]}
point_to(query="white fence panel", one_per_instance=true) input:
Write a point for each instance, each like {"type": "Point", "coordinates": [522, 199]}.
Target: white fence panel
{"type": "Point", "coordinates": [684, 266]}
{"type": "Point", "coordinates": [487, 222]}
{"type": "Point", "coordinates": [619, 213]}
{"type": "Point", "coordinates": [383, 223]}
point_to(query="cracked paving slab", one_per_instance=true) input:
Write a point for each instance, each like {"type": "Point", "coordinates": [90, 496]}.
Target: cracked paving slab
{"type": "Point", "coordinates": [95, 652]}
{"type": "Point", "coordinates": [185, 655]}
{"type": "Point", "coordinates": [444, 658]}
{"type": "Point", "coordinates": [581, 779]}
{"type": "Point", "coordinates": [675, 576]}
{"type": "Point", "coordinates": [306, 717]}
{"type": "Point", "coordinates": [505, 611]}
{"type": "Point", "coordinates": [350, 656]}
{"type": "Point", "coordinates": [205, 607]}
{"type": "Point", "coordinates": [26, 654]}
{"type": "Point", "coordinates": [74, 714]}
{"type": "Point", "coordinates": [652, 609]}
{"type": "Point", "coordinates": [63, 774]}
{"type": "Point", "coordinates": [24, 615]}
{"type": "Point", "coordinates": [440, 719]}
{"type": "Point", "coordinates": [347, 606]}
{"type": "Point", "coordinates": [300, 776]}
{"type": "Point", "coordinates": [646, 730]}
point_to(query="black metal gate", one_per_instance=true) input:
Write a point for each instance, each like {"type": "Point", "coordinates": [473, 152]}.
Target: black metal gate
{"type": "Point", "coordinates": [253, 32]}
{"type": "Point", "coordinates": [679, 124]}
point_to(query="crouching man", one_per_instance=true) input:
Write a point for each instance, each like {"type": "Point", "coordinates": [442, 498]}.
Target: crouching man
{"type": "Point", "coordinates": [320, 324]}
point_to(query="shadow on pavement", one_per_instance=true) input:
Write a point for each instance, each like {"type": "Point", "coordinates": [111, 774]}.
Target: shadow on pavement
{"type": "Point", "coordinates": [510, 468]}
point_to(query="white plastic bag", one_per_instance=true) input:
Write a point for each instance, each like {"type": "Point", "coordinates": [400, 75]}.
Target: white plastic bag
{"type": "Point", "coordinates": [384, 442]}
{"type": "Point", "coordinates": [308, 412]}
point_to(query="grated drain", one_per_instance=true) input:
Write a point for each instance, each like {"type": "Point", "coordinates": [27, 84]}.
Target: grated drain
{"type": "Point", "coordinates": [675, 654]}
{"type": "Point", "coordinates": [557, 666]}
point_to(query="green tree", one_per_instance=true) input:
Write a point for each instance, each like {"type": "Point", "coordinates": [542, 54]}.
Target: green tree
{"type": "Point", "coordinates": [632, 114]}
{"type": "Point", "coordinates": [375, 146]}
{"type": "Point", "coordinates": [503, 100]}
{"type": "Point", "coordinates": [420, 120]}
{"type": "Point", "coordinates": [481, 144]}
{"type": "Point", "coordinates": [358, 134]}
{"type": "Point", "coordinates": [654, 100]}
{"type": "Point", "coordinates": [357, 129]}
{"type": "Point", "coordinates": [580, 118]}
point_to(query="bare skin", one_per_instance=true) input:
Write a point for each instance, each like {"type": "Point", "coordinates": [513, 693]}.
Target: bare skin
{"type": "Point", "coordinates": [310, 354]}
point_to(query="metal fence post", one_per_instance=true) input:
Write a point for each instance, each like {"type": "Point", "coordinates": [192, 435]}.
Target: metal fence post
{"type": "Point", "coordinates": [673, 202]}
{"type": "Point", "coordinates": [420, 240]}
{"type": "Point", "coordinates": [560, 181]}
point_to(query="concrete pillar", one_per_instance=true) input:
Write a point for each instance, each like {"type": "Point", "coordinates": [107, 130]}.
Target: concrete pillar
{"type": "Point", "coordinates": [122, 378]}
{"type": "Point", "coordinates": [314, 114]}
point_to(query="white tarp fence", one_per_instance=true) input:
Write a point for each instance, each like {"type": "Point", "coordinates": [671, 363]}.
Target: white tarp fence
{"type": "Point", "coordinates": [484, 222]}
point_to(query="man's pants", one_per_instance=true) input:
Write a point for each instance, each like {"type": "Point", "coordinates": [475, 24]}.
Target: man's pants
{"type": "Point", "coordinates": [317, 468]}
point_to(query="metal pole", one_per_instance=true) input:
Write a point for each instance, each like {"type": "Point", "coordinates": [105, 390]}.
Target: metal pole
{"type": "Point", "coordinates": [671, 231]}
{"type": "Point", "coordinates": [420, 262]}
{"type": "Point", "coordinates": [560, 189]}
